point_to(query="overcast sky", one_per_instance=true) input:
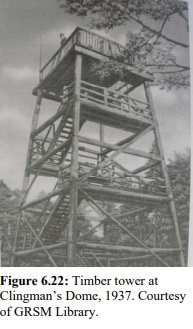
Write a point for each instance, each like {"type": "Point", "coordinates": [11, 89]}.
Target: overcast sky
{"type": "Point", "coordinates": [22, 23]}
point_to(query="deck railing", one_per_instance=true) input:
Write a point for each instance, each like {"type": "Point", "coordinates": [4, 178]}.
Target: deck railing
{"type": "Point", "coordinates": [103, 96]}
{"type": "Point", "coordinates": [109, 177]}
{"type": "Point", "coordinates": [112, 99]}
{"type": "Point", "coordinates": [91, 41]}
{"type": "Point", "coordinates": [97, 96]}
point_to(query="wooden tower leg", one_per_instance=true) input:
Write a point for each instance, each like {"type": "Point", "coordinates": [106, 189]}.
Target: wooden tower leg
{"type": "Point", "coordinates": [102, 139]}
{"type": "Point", "coordinates": [74, 167]}
{"type": "Point", "coordinates": [26, 175]}
{"type": "Point", "coordinates": [165, 172]}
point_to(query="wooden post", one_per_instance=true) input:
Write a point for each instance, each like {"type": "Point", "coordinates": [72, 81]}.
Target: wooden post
{"type": "Point", "coordinates": [26, 175]}
{"type": "Point", "coordinates": [36, 112]}
{"type": "Point", "coordinates": [74, 166]}
{"type": "Point", "coordinates": [164, 171]}
{"type": "Point", "coordinates": [102, 133]}
{"type": "Point", "coordinates": [105, 96]}
{"type": "Point", "coordinates": [33, 128]}
{"type": "Point", "coordinates": [102, 139]}
{"type": "Point", "coordinates": [154, 234]}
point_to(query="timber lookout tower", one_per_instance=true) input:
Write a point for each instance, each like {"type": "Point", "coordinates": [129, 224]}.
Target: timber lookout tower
{"type": "Point", "coordinates": [92, 145]}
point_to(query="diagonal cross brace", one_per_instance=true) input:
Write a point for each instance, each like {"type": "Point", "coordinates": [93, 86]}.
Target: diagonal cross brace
{"type": "Point", "coordinates": [116, 153]}
{"type": "Point", "coordinates": [115, 221]}
{"type": "Point", "coordinates": [40, 242]}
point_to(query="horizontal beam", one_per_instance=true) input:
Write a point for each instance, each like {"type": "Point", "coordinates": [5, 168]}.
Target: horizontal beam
{"type": "Point", "coordinates": [36, 210]}
{"type": "Point", "coordinates": [47, 95]}
{"type": "Point", "coordinates": [101, 192]}
{"type": "Point", "coordinates": [116, 148]}
{"type": "Point", "coordinates": [35, 250]}
{"type": "Point", "coordinates": [48, 169]}
{"type": "Point", "coordinates": [130, 213]}
{"type": "Point", "coordinates": [109, 247]}
{"type": "Point", "coordinates": [87, 150]}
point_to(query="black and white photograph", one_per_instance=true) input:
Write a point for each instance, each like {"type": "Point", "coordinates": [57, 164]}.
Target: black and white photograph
{"type": "Point", "coordinates": [94, 133]}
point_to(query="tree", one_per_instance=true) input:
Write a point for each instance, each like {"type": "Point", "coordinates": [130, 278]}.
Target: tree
{"type": "Point", "coordinates": [156, 50]}
{"type": "Point", "coordinates": [179, 172]}
{"type": "Point", "coordinates": [9, 211]}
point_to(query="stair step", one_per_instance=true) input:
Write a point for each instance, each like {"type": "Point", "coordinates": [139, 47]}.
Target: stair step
{"type": "Point", "coordinates": [67, 129]}
{"type": "Point", "coordinates": [64, 135]}
{"type": "Point", "coordinates": [68, 125]}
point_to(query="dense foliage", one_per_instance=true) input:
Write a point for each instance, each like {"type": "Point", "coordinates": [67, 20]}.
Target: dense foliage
{"type": "Point", "coordinates": [179, 171]}
{"type": "Point", "coordinates": [9, 211]}
{"type": "Point", "coordinates": [152, 44]}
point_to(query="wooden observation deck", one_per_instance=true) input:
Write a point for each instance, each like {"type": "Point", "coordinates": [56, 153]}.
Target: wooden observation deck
{"type": "Point", "coordinates": [59, 70]}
